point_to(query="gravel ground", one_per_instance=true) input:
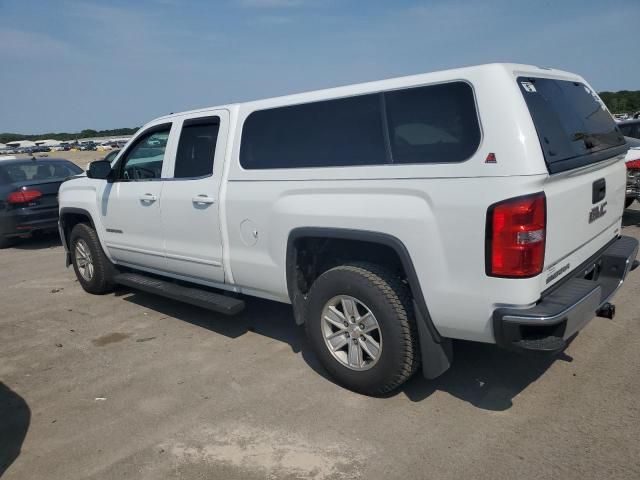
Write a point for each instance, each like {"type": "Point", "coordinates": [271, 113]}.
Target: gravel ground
{"type": "Point", "coordinates": [129, 385]}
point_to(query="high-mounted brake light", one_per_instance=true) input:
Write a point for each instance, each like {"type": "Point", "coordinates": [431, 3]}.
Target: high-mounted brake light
{"type": "Point", "coordinates": [516, 234]}
{"type": "Point", "coordinates": [24, 196]}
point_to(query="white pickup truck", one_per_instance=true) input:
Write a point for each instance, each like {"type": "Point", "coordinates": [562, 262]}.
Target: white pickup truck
{"type": "Point", "coordinates": [481, 203]}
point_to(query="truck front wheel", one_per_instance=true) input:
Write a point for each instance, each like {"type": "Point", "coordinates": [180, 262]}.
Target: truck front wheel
{"type": "Point", "coordinates": [360, 324]}
{"type": "Point", "coordinates": [93, 269]}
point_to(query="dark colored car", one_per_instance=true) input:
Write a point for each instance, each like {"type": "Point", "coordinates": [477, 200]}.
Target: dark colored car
{"type": "Point", "coordinates": [29, 196]}
{"type": "Point", "coordinates": [630, 128]}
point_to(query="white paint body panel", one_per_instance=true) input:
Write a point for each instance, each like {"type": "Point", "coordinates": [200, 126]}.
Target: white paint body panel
{"type": "Point", "coordinates": [437, 210]}
{"type": "Point", "coordinates": [191, 229]}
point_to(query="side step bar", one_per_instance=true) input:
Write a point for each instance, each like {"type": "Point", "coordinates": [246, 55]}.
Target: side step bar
{"type": "Point", "coordinates": [194, 296]}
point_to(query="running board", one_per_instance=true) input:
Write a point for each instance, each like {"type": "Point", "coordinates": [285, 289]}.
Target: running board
{"type": "Point", "coordinates": [194, 296]}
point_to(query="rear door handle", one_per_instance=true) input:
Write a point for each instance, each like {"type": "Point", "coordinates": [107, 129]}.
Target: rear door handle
{"type": "Point", "coordinates": [148, 197]}
{"type": "Point", "coordinates": [203, 199]}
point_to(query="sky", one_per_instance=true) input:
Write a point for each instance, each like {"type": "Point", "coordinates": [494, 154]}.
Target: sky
{"type": "Point", "coordinates": [78, 64]}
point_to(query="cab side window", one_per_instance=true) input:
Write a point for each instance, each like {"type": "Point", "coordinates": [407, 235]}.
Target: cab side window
{"type": "Point", "coordinates": [197, 147]}
{"type": "Point", "coordinates": [144, 160]}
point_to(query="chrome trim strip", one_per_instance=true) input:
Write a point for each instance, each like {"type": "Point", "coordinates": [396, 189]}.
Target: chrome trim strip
{"type": "Point", "coordinates": [173, 256]}
{"type": "Point", "coordinates": [135, 250]}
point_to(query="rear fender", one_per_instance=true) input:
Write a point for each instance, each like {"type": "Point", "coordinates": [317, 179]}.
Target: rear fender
{"type": "Point", "coordinates": [436, 351]}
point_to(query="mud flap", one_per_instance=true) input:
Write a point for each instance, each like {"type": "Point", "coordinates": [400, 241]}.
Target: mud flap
{"type": "Point", "coordinates": [436, 356]}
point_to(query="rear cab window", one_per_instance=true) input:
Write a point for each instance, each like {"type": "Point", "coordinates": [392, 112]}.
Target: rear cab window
{"type": "Point", "coordinates": [196, 148]}
{"type": "Point", "coordinates": [573, 125]}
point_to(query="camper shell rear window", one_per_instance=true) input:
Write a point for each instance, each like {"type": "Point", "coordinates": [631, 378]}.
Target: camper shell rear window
{"type": "Point", "coordinates": [573, 125]}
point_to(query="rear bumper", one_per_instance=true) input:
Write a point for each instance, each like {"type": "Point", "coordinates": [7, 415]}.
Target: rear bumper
{"type": "Point", "coordinates": [23, 223]}
{"type": "Point", "coordinates": [568, 307]}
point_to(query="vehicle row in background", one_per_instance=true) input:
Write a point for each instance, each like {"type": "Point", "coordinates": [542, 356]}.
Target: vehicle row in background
{"type": "Point", "coordinates": [63, 147]}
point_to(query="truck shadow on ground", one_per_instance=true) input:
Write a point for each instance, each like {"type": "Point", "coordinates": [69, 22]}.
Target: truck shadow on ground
{"type": "Point", "coordinates": [483, 375]}
{"type": "Point", "coordinates": [15, 417]}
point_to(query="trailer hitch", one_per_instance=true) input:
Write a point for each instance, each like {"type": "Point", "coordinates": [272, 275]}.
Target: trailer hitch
{"type": "Point", "coordinates": [607, 310]}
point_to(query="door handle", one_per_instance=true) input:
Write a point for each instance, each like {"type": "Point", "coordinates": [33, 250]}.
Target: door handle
{"type": "Point", "coordinates": [203, 199]}
{"type": "Point", "coordinates": [148, 197]}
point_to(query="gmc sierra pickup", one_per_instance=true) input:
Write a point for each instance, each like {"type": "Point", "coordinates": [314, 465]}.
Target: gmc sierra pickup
{"type": "Point", "coordinates": [481, 203]}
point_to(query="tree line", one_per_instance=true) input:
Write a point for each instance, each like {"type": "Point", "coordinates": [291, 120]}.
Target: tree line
{"type": "Point", "coordinates": [12, 137]}
{"type": "Point", "coordinates": [624, 101]}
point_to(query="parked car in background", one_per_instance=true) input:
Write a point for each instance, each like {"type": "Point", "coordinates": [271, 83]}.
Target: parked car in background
{"type": "Point", "coordinates": [63, 147]}
{"type": "Point", "coordinates": [29, 196]}
{"type": "Point", "coordinates": [632, 159]}
{"type": "Point", "coordinates": [630, 128]}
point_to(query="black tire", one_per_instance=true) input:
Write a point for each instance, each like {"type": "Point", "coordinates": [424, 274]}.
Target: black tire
{"type": "Point", "coordinates": [103, 270]}
{"type": "Point", "coordinates": [389, 299]}
{"type": "Point", "coordinates": [628, 201]}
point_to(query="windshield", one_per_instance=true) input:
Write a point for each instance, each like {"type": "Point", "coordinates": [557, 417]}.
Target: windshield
{"type": "Point", "coordinates": [573, 125]}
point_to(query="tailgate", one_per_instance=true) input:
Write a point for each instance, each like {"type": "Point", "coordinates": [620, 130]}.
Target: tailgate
{"type": "Point", "coordinates": [584, 213]}
{"type": "Point", "coordinates": [584, 151]}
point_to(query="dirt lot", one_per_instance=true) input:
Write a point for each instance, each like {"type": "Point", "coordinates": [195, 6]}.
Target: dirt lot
{"type": "Point", "coordinates": [129, 385]}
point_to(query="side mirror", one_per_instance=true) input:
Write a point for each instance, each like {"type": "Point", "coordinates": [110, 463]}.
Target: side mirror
{"type": "Point", "coordinates": [100, 170]}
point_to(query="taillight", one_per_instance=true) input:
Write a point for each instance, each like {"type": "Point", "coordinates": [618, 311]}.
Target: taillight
{"type": "Point", "coordinates": [516, 233]}
{"type": "Point", "coordinates": [24, 196]}
{"type": "Point", "coordinates": [633, 164]}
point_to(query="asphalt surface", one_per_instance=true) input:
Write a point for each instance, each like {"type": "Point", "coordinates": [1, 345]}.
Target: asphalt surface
{"type": "Point", "coordinates": [130, 385]}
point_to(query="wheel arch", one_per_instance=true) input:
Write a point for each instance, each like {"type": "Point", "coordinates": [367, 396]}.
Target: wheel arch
{"type": "Point", "coordinates": [436, 350]}
{"type": "Point", "coordinates": [69, 218]}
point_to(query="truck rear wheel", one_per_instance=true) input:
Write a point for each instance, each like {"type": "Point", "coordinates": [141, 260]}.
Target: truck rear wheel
{"type": "Point", "coordinates": [93, 269]}
{"type": "Point", "coordinates": [360, 324]}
